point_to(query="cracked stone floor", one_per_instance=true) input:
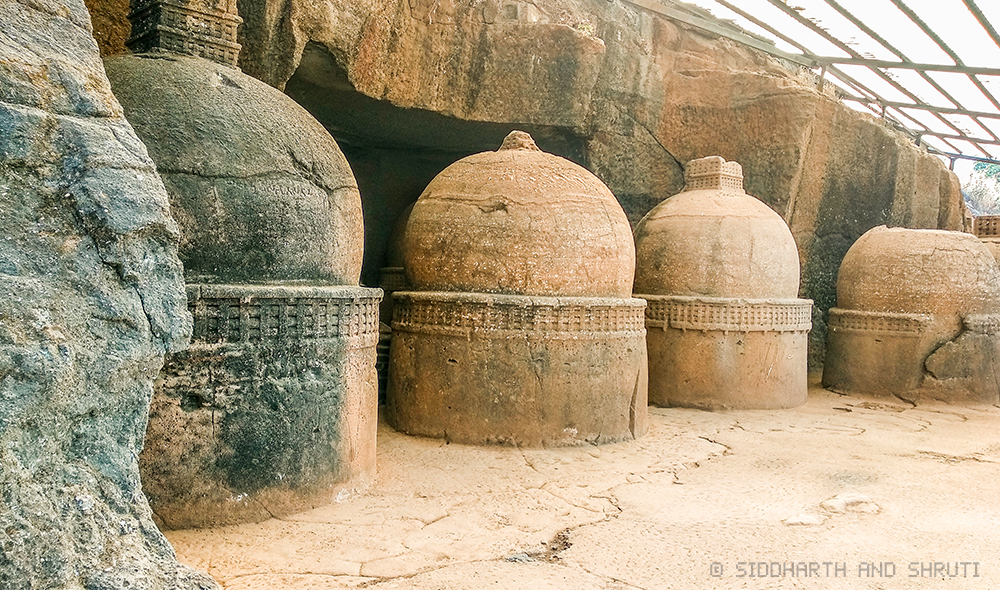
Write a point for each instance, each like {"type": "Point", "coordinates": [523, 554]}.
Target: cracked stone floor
{"type": "Point", "coordinates": [843, 492]}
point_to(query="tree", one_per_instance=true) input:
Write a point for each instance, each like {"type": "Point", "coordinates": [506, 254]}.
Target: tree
{"type": "Point", "coordinates": [982, 191]}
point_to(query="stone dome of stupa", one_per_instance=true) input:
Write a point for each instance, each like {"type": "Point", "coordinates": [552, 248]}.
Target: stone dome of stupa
{"type": "Point", "coordinates": [261, 191]}
{"type": "Point", "coordinates": [713, 239]}
{"type": "Point", "coordinates": [919, 271]}
{"type": "Point", "coordinates": [519, 221]}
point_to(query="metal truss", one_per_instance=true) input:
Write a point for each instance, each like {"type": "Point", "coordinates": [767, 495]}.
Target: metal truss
{"type": "Point", "coordinates": [926, 102]}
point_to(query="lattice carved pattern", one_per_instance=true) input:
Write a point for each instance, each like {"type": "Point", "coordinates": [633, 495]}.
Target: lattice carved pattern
{"type": "Point", "coordinates": [728, 315]}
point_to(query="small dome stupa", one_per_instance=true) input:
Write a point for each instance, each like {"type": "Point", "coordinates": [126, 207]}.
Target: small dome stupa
{"type": "Point", "coordinates": [720, 272]}
{"type": "Point", "coordinates": [519, 326]}
{"type": "Point", "coordinates": [714, 240]}
{"type": "Point", "coordinates": [916, 316]}
{"type": "Point", "coordinates": [987, 229]}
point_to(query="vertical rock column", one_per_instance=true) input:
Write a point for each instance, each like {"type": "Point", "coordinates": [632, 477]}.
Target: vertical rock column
{"type": "Point", "coordinates": [91, 297]}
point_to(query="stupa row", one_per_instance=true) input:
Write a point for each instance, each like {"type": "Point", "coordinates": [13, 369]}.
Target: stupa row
{"type": "Point", "coordinates": [531, 313]}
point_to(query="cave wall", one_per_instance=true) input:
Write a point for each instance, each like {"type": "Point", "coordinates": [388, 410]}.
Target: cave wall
{"type": "Point", "coordinates": [629, 94]}
{"type": "Point", "coordinates": [91, 298]}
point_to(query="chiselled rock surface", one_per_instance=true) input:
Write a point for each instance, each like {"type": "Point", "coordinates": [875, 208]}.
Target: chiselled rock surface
{"type": "Point", "coordinates": [720, 272]}
{"type": "Point", "coordinates": [918, 317]}
{"type": "Point", "coordinates": [519, 328]}
{"type": "Point", "coordinates": [91, 297]}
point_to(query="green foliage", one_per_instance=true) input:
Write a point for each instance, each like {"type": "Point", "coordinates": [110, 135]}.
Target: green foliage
{"type": "Point", "coordinates": [988, 170]}
{"type": "Point", "coordinates": [982, 190]}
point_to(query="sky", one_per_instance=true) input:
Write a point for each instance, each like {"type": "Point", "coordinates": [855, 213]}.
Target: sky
{"type": "Point", "coordinates": [950, 19]}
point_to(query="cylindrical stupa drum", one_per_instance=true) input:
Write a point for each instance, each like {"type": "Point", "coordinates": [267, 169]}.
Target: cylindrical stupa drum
{"type": "Point", "coordinates": [719, 271]}
{"type": "Point", "coordinates": [520, 327]}
{"type": "Point", "coordinates": [273, 408]}
{"type": "Point", "coordinates": [916, 318]}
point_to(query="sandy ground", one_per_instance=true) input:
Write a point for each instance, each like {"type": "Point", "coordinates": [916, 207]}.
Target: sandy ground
{"type": "Point", "coordinates": [843, 492]}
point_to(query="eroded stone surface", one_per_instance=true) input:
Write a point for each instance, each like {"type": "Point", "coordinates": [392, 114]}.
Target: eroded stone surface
{"type": "Point", "coordinates": [272, 410]}
{"type": "Point", "coordinates": [269, 413]}
{"type": "Point", "coordinates": [916, 317]}
{"type": "Point", "coordinates": [91, 297]}
{"type": "Point", "coordinates": [261, 191]}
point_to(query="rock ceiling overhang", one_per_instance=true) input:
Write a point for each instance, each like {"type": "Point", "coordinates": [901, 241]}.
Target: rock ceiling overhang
{"type": "Point", "coordinates": [928, 67]}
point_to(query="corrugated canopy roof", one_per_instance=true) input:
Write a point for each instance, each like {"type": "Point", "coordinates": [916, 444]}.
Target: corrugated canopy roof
{"type": "Point", "coordinates": [930, 67]}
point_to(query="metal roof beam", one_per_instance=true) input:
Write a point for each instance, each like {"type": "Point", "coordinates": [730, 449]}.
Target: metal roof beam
{"type": "Point", "coordinates": [944, 47]}
{"type": "Point", "coordinates": [985, 22]}
{"type": "Point", "coordinates": [837, 72]}
{"type": "Point", "coordinates": [955, 156]}
{"type": "Point", "coordinates": [833, 70]}
{"type": "Point", "coordinates": [915, 19]}
{"type": "Point", "coordinates": [925, 107]}
{"type": "Point", "coordinates": [972, 140]}
{"type": "Point", "coordinates": [850, 51]}
{"type": "Point", "coordinates": [905, 65]}
{"type": "Point", "coordinates": [718, 29]}
{"type": "Point", "coordinates": [899, 54]}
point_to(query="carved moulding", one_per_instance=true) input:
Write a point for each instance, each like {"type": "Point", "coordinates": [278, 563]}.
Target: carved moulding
{"type": "Point", "coordinates": [727, 353]}
{"type": "Point", "coordinates": [516, 369]}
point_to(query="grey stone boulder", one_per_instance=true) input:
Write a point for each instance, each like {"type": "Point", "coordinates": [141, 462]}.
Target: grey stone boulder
{"type": "Point", "coordinates": [91, 298]}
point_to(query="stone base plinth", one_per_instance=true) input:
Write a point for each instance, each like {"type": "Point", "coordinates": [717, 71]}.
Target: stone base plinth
{"type": "Point", "coordinates": [913, 356]}
{"type": "Point", "coordinates": [271, 411]}
{"type": "Point", "coordinates": [501, 369]}
{"type": "Point", "coordinates": [716, 353]}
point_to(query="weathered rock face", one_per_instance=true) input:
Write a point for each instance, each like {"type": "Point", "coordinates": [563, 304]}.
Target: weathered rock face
{"type": "Point", "coordinates": [91, 297]}
{"type": "Point", "coordinates": [918, 317]}
{"type": "Point", "coordinates": [517, 330]}
{"type": "Point", "coordinates": [720, 272]}
{"type": "Point", "coordinates": [272, 410]}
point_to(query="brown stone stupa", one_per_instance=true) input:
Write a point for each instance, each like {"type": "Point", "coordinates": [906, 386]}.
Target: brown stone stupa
{"type": "Point", "coordinates": [272, 410]}
{"type": "Point", "coordinates": [917, 317]}
{"type": "Point", "coordinates": [720, 273]}
{"type": "Point", "coordinates": [987, 229]}
{"type": "Point", "coordinates": [520, 327]}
